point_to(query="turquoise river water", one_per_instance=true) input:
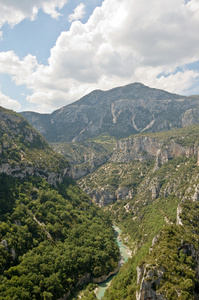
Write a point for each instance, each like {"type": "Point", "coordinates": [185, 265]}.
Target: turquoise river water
{"type": "Point", "coordinates": [125, 255]}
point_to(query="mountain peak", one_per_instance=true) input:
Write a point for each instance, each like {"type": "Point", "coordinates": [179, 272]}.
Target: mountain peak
{"type": "Point", "coordinates": [120, 112]}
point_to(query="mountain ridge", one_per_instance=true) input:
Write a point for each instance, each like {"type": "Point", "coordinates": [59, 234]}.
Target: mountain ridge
{"type": "Point", "coordinates": [119, 112]}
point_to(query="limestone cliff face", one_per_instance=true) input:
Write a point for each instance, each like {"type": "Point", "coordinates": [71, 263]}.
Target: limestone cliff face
{"type": "Point", "coordinates": [24, 170]}
{"type": "Point", "coordinates": [138, 149]}
{"type": "Point", "coordinates": [84, 157]}
{"type": "Point", "coordinates": [142, 148]}
{"type": "Point", "coordinates": [106, 196]}
{"type": "Point", "coordinates": [148, 277]}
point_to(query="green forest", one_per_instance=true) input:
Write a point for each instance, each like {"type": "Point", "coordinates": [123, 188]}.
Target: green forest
{"type": "Point", "coordinates": [51, 238]}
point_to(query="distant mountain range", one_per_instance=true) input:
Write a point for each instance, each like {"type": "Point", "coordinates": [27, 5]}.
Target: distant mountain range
{"type": "Point", "coordinates": [119, 112]}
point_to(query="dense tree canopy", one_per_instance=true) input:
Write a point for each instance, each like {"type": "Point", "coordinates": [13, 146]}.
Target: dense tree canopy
{"type": "Point", "coordinates": [50, 239]}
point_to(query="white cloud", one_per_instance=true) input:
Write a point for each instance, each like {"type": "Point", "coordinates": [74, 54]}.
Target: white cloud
{"type": "Point", "coordinates": [20, 70]}
{"type": "Point", "coordinates": [78, 13]}
{"type": "Point", "coordinates": [122, 42]}
{"type": "Point", "coordinates": [6, 102]}
{"type": "Point", "coordinates": [13, 12]}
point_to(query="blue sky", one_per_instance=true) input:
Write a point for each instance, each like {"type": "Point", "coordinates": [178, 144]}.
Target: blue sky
{"type": "Point", "coordinates": [52, 52]}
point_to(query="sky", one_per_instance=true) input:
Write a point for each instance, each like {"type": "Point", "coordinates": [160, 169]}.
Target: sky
{"type": "Point", "coordinates": [53, 52]}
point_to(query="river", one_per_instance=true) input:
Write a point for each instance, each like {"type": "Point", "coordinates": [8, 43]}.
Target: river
{"type": "Point", "coordinates": [125, 255]}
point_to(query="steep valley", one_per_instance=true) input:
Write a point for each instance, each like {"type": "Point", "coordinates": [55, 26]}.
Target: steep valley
{"type": "Point", "coordinates": [150, 187]}
{"type": "Point", "coordinates": [56, 234]}
{"type": "Point", "coordinates": [53, 239]}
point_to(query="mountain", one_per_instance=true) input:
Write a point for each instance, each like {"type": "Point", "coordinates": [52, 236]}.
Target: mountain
{"type": "Point", "coordinates": [150, 186]}
{"type": "Point", "coordinates": [119, 112]}
{"type": "Point", "coordinates": [53, 239]}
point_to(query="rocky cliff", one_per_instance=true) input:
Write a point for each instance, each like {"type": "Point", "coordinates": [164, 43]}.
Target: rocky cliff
{"type": "Point", "coordinates": [142, 148]}
{"type": "Point", "coordinates": [86, 157]}
{"type": "Point", "coordinates": [121, 168]}
{"type": "Point", "coordinates": [25, 152]}
{"type": "Point", "coordinates": [119, 112]}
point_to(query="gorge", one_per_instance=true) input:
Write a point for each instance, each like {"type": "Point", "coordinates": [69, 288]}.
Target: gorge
{"type": "Point", "coordinates": [56, 233]}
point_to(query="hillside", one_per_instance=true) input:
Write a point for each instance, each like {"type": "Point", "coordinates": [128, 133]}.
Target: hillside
{"type": "Point", "coordinates": [150, 187]}
{"type": "Point", "coordinates": [119, 112]}
{"type": "Point", "coordinates": [52, 238]}
{"type": "Point", "coordinates": [24, 151]}
{"type": "Point", "coordinates": [133, 158]}
{"type": "Point", "coordinates": [85, 157]}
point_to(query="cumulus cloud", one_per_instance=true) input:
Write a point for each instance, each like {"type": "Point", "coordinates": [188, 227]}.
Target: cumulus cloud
{"type": "Point", "coordinates": [6, 102]}
{"type": "Point", "coordinates": [13, 12]}
{"type": "Point", "coordinates": [123, 41]}
{"type": "Point", "coordinates": [78, 13]}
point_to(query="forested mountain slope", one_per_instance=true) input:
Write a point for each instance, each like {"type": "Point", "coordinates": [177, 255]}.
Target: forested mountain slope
{"type": "Point", "coordinates": [150, 185]}
{"type": "Point", "coordinates": [52, 238]}
{"type": "Point", "coordinates": [25, 152]}
{"type": "Point", "coordinates": [119, 112]}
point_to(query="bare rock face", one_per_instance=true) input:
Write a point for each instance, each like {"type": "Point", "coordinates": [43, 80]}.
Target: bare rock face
{"type": "Point", "coordinates": [136, 148]}
{"type": "Point", "coordinates": [102, 196]}
{"type": "Point", "coordinates": [196, 194]}
{"type": "Point", "coordinates": [123, 193]}
{"type": "Point", "coordinates": [155, 189]}
{"type": "Point", "coordinates": [142, 148]}
{"type": "Point", "coordinates": [106, 196]}
{"type": "Point", "coordinates": [22, 171]}
{"type": "Point", "coordinates": [190, 117]}
{"type": "Point", "coordinates": [178, 219]}
{"type": "Point", "coordinates": [4, 243]}
{"type": "Point", "coordinates": [149, 278]}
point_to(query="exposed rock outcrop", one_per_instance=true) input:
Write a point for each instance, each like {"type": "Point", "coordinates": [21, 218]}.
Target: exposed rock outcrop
{"type": "Point", "coordinates": [148, 278]}
{"type": "Point", "coordinates": [11, 250]}
{"type": "Point", "coordinates": [154, 188]}
{"type": "Point", "coordinates": [106, 196]}
{"type": "Point", "coordinates": [24, 170]}
{"type": "Point", "coordinates": [142, 148]}
{"type": "Point", "coordinates": [196, 194]}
